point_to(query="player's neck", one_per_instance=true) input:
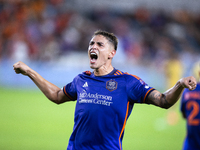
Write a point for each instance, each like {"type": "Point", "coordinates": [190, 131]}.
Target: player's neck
{"type": "Point", "coordinates": [103, 70]}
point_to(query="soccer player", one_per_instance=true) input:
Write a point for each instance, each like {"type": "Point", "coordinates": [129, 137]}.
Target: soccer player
{"type": "Point", "coordinates": [104, 97]}
{"type": "Point", "coordinates": [190, 108]}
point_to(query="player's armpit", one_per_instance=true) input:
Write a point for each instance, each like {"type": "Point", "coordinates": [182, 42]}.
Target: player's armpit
{"type": "Point", "coordinates": [158, 99]}
{"type": "Point", "coordinates": [61, 98]}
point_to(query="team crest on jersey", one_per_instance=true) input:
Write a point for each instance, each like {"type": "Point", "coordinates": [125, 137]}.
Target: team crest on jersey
{"type": "Point", "coordinates": [111, 85]}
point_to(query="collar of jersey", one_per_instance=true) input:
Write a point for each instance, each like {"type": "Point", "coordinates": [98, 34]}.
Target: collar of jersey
{"type": "Point", "coordinates": [110, 74]}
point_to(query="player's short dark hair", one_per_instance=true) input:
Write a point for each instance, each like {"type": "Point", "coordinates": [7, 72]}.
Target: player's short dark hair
{"type": "Point", "coordinates": [109, 36]}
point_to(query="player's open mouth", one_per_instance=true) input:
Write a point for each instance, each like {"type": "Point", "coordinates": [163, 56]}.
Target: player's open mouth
{"type": "Point", "coordinates": [93, 57]}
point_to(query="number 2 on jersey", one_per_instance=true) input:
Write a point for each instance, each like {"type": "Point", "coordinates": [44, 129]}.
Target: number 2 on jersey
{"type": "Point", "coordinates": [192, 121]}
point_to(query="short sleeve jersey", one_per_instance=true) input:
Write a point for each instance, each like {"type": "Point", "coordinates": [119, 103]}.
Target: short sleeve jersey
{"type": "Point", "coordinates": [103, 106]}
{"type": "Point", "coordinates": [190, 106]}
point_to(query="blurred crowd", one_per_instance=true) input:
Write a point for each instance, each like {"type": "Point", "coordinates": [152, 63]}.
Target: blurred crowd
{"type": "Point", "coordinates": [45, 30]}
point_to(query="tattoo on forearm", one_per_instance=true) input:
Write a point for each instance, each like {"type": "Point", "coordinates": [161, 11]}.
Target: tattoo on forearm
{"type": "Point", "coordinates": [158, 99]}
{"type": "Point", "coordinates": [165, 102]}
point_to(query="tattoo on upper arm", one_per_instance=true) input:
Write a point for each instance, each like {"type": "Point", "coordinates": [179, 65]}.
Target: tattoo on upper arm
{"type": "Point", "coordinates": [153, 97]}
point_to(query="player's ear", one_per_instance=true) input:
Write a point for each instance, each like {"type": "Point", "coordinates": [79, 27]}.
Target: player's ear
{"type": "Point", "coordinates": [112, 54]}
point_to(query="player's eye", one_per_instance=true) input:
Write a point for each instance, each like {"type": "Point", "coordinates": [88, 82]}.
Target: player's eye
{"type": "Point", "coordinates": [100, 44]}
{"type": "Point", "coordinates": [91, 43]}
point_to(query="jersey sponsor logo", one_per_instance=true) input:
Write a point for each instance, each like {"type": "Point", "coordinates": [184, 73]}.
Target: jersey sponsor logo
{"type": "Point", "coordinates": [111, 85]}
{"type": "Point", "coordinates": [85, 85]}
{"type": "Point", "coordinates": [84, 94]}
{"type": "Point", "coordinates": [96, 98]}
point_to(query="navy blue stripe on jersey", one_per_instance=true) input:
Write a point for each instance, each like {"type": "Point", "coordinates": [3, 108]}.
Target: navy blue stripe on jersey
{"type": "Point", "coordinates": [150, 90]}
{"type": "Point", "coordinates": [67, 93]}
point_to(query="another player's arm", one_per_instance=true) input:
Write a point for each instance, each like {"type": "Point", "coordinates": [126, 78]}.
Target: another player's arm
{"type": "Point", "coordinates": [51, 91]}
{"type": "Point", "coordinates": [171, 96]}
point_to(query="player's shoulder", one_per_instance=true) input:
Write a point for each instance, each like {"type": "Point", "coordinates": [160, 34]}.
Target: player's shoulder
{"type": "Point", "coordinates": [88, 73]}
{"type": "Point", "coordinates": [198, 86]}
{"type": "Point", "coordinates": [126, 75]}
{"type": "Point", "coordinates": [85, 74]}
{"type": "Point", "coordinates": [82, 75]}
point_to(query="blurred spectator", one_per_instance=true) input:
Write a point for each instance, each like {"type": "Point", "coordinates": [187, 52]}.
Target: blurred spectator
{"type": "Point", "coordinates": [173, 71]}
{"type": "Point", "coordinates": [19, 48]}
{"type": "Point", "coordinates": [45, 30]}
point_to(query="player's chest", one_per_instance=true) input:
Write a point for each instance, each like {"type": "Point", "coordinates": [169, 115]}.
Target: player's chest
{"type": "Point", "coordinates": [109, 93]}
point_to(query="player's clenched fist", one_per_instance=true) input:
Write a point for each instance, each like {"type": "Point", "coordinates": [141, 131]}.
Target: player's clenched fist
{"type": "Point", "coordinates": [21, 67]}
{"type": "Point", "coordinates": [189, 82]}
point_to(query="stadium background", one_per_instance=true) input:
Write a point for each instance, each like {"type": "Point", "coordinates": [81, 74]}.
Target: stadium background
{"type": "Point", "coordinates": [158, 40]}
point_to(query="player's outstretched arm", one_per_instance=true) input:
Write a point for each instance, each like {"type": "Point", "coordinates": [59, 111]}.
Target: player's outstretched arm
{"type": "Point", "coordinates": [51, 91]}
{"type": "Point", "coordinates": [171, 96]}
